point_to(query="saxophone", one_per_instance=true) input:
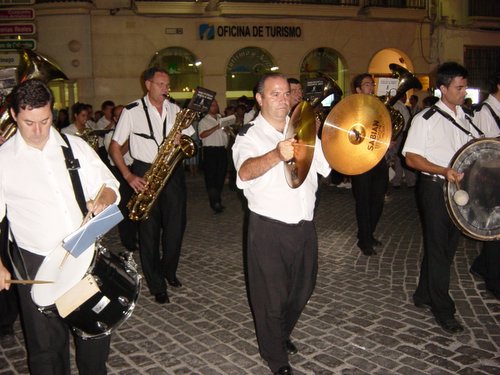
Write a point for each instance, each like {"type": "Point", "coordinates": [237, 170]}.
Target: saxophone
{"type": "Point", "coordinates": [160, 171]}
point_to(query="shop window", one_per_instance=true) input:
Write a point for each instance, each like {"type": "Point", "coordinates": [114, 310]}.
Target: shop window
{"type": "Point", "coordinates": [244, 70]}
{"type": "Point", "coordinates": [183, 68]}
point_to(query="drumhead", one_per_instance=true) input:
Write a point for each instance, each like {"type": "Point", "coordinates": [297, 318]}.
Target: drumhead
{"type": "Point", "coordinates": [479, 218]}
{"type": "Point", "coordinates": [64, 278]}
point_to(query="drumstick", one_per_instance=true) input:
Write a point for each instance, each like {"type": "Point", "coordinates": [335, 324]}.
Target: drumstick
{"type": "Point", "coordinates": [28, 281]}
{"type": "Point", "coordinates": [85, 219]}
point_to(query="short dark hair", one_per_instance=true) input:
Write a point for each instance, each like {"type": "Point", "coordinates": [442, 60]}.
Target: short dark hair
{"type": "Point", "coordinates": [356, 82]}
{"type": "Point", "coordinates": [30, 94]}
{"type": "Point", "coordinates": [78, 107]}
{"type": "Point", "coordinates": [150, 73]}
{"type": "Point", "coordinates": [493, 83]}
{"type": "Point", "coordinates": [107, 103]}
{"type": "Point", "coordinates": [447, 71]}
{"type": "Point", "coordinates": [293, 81]}
{"type": "Point", "coordinates": [264, 78]}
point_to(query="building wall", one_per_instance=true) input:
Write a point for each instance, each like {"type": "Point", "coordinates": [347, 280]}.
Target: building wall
{"type": "Point", "coordinates": [114, 50]}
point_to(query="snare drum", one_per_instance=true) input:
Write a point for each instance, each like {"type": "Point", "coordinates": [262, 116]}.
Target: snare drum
{"type": "Point", "coordinates": [479, 218]}
{"type": "Point", "coordinates": [119, 285]}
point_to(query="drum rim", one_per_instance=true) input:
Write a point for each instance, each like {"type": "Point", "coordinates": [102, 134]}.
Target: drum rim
{"type": "Point", "coordinates": [449, 189]}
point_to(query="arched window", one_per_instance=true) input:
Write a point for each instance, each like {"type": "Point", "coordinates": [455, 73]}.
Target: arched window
{"type": "Point", "coordinates": [183, 68]}
{"type": "Point", "coordinates": [244, 70]}
{"type": "Point", "coordinates": [326, 61]}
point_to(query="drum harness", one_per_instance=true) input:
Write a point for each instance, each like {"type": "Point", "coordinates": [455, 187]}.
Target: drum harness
{"type": "Point", "coordinates": [13, 252]}
{"type": "Point", "coordinates": [435, 109]}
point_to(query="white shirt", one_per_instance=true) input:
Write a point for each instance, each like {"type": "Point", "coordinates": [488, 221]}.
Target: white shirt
{"type": "Point", "coordinates": [485, 121]}
{"type": "Point", "coordinates": [107, 141]}
{"type": "Point", "coordinates": [218, 138]}
{"type": "Point", "coordinates": [437, 139]}
{"type": "Point", "coordinates": [101, 125]}
{"type": "Point", "coordinates": [36, 189]}
{"type": "Point", "coordinates": [71, 129]}
{"type": "Point", "coordinates": [270, 195]}
{"type": "Point", "coordinates": [133, 122]}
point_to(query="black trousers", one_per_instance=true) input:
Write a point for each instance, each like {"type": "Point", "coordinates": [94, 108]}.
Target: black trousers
{"type": "Point", "coordinates": [160, 235]}
{"type": "Point", "coordinates": [487, 264]}
{"type": "Point", "coordinates": [47, 338]}
{"type": "Point", "coordinates": [127, 229]}
{"type": "Point", "coordinates": [8, 307]}
{"type": "Point", "coordinates": [215, 168]}
{"type": "Point", "coordinates": [282, 263]}
{"type": "Point", "coordinates": [440, 244]}
{"type": "Point", "coordinates": [369, 190]}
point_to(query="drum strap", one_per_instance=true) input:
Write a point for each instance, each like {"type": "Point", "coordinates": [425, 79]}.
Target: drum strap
{"type": "Point", "coordinates": [73, 165]}
{"type": "Point", "coordinates": [448, 117]}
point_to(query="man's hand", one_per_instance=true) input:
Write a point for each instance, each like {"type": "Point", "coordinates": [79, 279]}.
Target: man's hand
{"type": "Point", "coordinates": [136, 183]}
{"type": "Point", "coordinates": [107, 197]}
{"type": "Point", "coordinates": [4, 275]}
{"type": "Point", "coordinates": [453, 176]}
{"type": "Point", "coordinates": [285, 149]}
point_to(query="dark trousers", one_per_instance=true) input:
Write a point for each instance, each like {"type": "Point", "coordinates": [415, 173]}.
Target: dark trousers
{"type": "Point", "coordinates": [487, 264]}
{"type": "Point", "coordinates": [215, 168]}
{"type": "Point", "coordinates": [127, 229]}
{"type": "Point", "coordinates": [440, 244]}
{"type": "Point", "coordinates": [160, 235]}
{"type": "Point", "coordinates": [282, 263]}
{"type": "Point", "coordinates": [47, 338]}
{"type": "Point", "coordinates": [8, 307]}
{"type": "Point", "coordinates": [369, 190]}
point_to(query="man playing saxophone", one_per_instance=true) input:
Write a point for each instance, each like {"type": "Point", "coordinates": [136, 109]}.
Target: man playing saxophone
{"type": "Point", "coordinates": [145, 123]}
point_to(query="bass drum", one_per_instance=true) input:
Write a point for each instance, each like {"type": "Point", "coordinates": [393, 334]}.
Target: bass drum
{"type": "Point", "coordinates": [479, 217]}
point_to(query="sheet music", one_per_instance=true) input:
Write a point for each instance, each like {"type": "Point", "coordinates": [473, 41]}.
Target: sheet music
{"type": "Point", "coordinates": [227, 121]}
{"type": "Point", "coordinates": [78, 241]}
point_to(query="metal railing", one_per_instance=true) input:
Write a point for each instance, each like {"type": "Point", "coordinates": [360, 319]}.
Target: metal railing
{"type": "Point", "coordinates": [404, 4]}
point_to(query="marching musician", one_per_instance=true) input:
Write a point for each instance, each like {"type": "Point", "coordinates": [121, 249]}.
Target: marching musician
{"type": "Point", "coordinates": [42, 207]}
{"type": "Point", "coordinates": [145, 123]}
{"type": "Point", "coordinates": [435, 135]}
{"type": "Point", "coordinates": [214, 140]}
{"type": "Point", "coordinates": [282, 242]}
{"type": "Point", "coordinates": [487, 118]}
{"type": "Point", "coordinates": [369, 188]}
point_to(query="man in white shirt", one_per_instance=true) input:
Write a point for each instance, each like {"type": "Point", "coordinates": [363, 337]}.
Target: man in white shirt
{"type": "Point", "coordinates": [214, 140]}
{"type": "Point", "coordinates": [106, 122]}
{"type": "Point", "coordinates": [435, 135]}
{"type": "Point", "coordinates": [145, 123]}
{"type": "Point", "coordinates": [282, 242]}
{"type": "Point", "coordinates": [42, 206]}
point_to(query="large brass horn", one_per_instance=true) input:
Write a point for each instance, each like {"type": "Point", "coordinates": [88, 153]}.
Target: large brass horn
{"type": "Point", "coordinates": [407, 81]}
{"type": "Point", "coordinates": [31, 66]}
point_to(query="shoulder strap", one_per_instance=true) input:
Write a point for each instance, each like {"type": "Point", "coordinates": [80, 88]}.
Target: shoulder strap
{"type": "Point", "coordinates": [73, 165]}
{"type": "Point", "coordinates": [452, 120]}
{"type": "Point", "coordinates": [151, 134]}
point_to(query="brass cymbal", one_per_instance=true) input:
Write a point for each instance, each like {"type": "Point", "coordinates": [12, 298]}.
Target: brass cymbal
{"type": "Point", "coordinates": [356, 134]}
{"type": "Point", "coordinates": [302, 127]}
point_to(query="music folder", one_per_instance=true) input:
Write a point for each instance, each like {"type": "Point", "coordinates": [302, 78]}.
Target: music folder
{"type": "Point", "coordinates": [81, 239]}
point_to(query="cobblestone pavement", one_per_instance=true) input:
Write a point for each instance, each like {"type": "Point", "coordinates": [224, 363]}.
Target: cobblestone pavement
{"type": "Point", "coordinates": [360, 319]}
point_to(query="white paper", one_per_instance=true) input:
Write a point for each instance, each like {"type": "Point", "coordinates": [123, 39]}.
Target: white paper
{"type": "Point", "coordinates": [78, 241]}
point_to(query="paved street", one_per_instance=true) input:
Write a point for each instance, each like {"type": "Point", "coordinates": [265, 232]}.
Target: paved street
{"type": "Point", "coordinates": [360, 319]}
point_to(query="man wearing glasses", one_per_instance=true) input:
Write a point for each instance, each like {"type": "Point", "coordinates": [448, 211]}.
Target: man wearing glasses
{"type": "Point", "coordinates": [369, 188]}
{"type": "Point", "coordinates": [145, 123]}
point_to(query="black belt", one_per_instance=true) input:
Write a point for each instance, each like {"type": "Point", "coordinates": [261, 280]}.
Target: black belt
{"type": "Point", "coordinates": [270, 220]}
{"type": "Point", "coordinates": [432, 177]}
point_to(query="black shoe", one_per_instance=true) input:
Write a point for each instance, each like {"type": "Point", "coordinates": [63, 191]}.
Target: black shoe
{"type": "Point", "coordinates": [450, 325]}
{"type": "Point", "coordinates": [218, 208]}
{"type": "Point", "coordinates": [175, 282]}
{"type": "Point", "coordinates": [290, 347]}
{"type": "Point", "coordinates": [162, 298]}
{"type": "Point", "coordinates": [368, 250]}
{"type": "Point", "coordinates": [376, 242]}
{"type": "Point", "coordinates": [421, 304]}
{"type": "Point", "coordinates": [476, 273]}
{"type": "Point", "coordinates": [7, 330]}
{"type": "Point", "coordinates": [285, 370]}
